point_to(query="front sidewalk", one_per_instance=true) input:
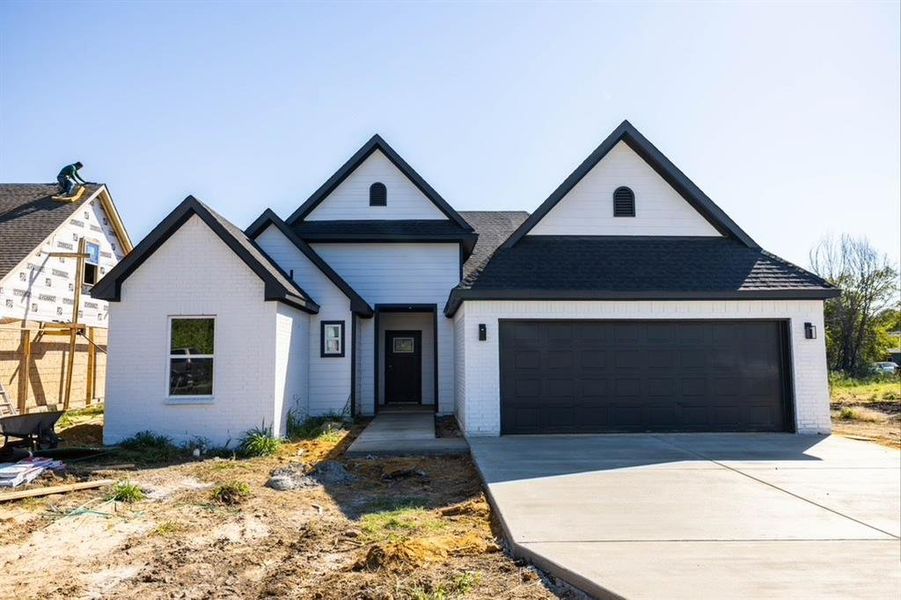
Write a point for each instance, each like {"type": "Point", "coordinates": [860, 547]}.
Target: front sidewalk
{"type": "Point", "coordinates": [404, 433]}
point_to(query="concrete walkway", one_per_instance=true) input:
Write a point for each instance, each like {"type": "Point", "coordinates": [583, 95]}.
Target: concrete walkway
{"type": "Point", "coordinates": [702, 516]}
{"type": "Point", "coordinates": [404, 433]}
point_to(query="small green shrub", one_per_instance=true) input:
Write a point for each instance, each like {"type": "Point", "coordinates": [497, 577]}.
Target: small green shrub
{"type": "Point", "coordinates": [259, 442]}
{"type": "Point", "coordinates": [125, 491]}
{"type": "Point", "coordinates": [151, 447]}
{"type": "Point", "coordinates": [321, 428]}
{"type": "Point", "coordinates": [231, 493]}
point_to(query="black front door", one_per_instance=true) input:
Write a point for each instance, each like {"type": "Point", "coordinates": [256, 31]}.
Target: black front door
{"type": "Point", "coordinates": [403, 367]}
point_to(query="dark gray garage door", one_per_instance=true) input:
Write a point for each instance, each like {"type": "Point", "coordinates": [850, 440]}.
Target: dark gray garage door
{"type": "Point", "coordinates": [633, 376]}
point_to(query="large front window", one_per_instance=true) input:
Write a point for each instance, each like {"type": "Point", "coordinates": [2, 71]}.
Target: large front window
{"type": "Point", "coordinates": [191, 356]}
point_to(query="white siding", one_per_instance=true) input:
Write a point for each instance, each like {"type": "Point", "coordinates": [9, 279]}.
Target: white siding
{"type": "Point", "coordinates": [329, 377]}
{"type": "Point", "coordinates": [481, 370]}
{"type": "Point", "coordinates": [588, 208]}
{"type": "Point", "coordinates": [400, 274]}
{"type": "Point", "coordinates": [193, 273]}
{"type": "Point", "coordinates": [421, 322]}
{"type": "Point", "coordinates": [41, 288]}
{"type": "Point", "coordinates": [292, 347]}
{"type": "Point", "coordinates": [350, 200]}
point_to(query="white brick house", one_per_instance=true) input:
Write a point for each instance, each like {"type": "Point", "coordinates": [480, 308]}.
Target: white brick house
{"type": "Point", "coordinates": [627, 302]}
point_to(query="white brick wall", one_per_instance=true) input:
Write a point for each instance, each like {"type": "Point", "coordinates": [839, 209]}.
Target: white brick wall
{"type": "Point", "coordinates": [480, 381]}
{"type": "Point", "coordinates": [460, 366]}
{"type": "Point", "coordinates": [588, 208]}
{"type": "Point", "coordinates": [292, 365]}
{"type": "Point", "coordinates": [350, 200]}
{"type": "Point", "coordinates": [193, 273]}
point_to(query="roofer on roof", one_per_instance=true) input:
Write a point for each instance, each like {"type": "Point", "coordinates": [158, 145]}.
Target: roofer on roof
{"type": "Point", "coordinates": [69, 179]}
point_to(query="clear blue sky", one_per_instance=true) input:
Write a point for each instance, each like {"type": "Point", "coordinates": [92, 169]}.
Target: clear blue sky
{"type": "Point", "coordinates": [788, 116]}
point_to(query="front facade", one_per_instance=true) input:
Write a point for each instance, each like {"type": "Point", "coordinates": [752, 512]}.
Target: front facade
{"type": "Point", "coordinates": [627, 302]}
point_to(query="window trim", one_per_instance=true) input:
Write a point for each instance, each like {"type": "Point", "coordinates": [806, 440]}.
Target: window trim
{"type": "Point", "coordinates": [631, 193]}
{"type": "Point", "coordinates": [188, 398]}
{"type": "Point", "coordinates": [384, 201]}
{"type": "Point", "coordinates": [322, 352]}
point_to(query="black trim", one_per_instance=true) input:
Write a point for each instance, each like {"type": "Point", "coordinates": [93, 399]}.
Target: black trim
{"type": "Point", "coordinates": [322, 352]}
{"type": "Point", "coordinates": [627, 133]}
{"type": "Point", "coordinates": [353, 366]}
{"type": "Point", "coordinates": [357, 303]}
{"type": "Point", "coordinates": [457, 296]}
{"type": "Point", "coordinates": [435, 354]}
{"type": "Point", "coordinates": [788, 379]}
{"type": "Point", "coordinates": [376, 143]}
{"type": "Point", "coordinates": [378, 194]}
{"type": "Point", "coordinates": [277, 285]}
{"type": "Point", "coordinates": [467, 241]}
{"type": "Point", "coordinates": [375, 366]}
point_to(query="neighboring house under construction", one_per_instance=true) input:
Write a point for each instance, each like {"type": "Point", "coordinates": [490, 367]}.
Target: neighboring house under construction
{"type": "Point", "coordinates": [47, 247]}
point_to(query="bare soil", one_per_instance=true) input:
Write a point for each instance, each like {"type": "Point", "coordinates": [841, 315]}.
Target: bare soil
{"type": "Point", "coordinates": [404, 528]}
{"type": "Point", "coordinates": [869, 412]}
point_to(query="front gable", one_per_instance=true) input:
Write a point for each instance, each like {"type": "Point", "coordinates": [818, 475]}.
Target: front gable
{"type": "Point", "coordinates": [405, 195]}
{"type": "Point", "coordinates": [666, 202]}
{"type": "Point", "coordinates": [587, 209]}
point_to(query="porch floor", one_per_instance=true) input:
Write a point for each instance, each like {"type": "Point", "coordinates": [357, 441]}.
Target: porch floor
{"type": "Point", "coordinates": [404, 433]}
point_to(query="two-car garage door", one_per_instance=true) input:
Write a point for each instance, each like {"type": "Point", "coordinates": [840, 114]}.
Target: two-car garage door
{"type": "Point", "coordinates": [636, 376]}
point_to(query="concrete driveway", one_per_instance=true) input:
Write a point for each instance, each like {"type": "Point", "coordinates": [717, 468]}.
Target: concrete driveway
{"type": "Point", "coordinates": [702, 515]}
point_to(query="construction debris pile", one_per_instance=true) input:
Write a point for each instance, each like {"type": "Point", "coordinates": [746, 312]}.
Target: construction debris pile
{"type": "Point", "coordinates": [27, 470]}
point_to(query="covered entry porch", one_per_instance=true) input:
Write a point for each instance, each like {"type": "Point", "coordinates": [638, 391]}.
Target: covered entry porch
{"type": "Point", "coordinates": [406, 358]}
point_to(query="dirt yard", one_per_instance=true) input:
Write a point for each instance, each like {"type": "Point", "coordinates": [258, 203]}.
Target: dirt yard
{"type": "Point", "coordinates": [387, 528]}
{"type": "Point", "coordinates": [868, 411]}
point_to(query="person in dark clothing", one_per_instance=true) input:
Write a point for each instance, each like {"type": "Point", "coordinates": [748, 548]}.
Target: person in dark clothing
{"type": "Point", "coordinates": [69, 179]}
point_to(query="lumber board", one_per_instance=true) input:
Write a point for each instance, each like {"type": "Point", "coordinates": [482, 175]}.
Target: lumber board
{"type": "Point", "coordinates": [55, 489]}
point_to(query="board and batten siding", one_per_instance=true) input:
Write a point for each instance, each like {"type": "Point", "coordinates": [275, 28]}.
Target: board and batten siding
{"type": "Point", "coordinates": [480, 385]}
{"type": "Point", "coordinates": [329, 377]}
{"type": "Point", "coordinates": [193, 274]}
{"type": "Point", "coordinates": [350, 200]}
{"type": "Point", "coordinates": [399, 273]}
{"type": "Point", "coordinates": [588, 208]}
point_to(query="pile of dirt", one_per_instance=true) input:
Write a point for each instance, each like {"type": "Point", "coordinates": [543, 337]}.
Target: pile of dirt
{"type": "Point", "coordinates": [418, 552]}
{"type": "Point", "coordinates": [296, 476]}
{"type": "Point", "coordinates": [474, 508]}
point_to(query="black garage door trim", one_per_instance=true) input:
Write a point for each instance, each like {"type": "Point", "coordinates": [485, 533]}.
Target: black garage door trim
{"type": "Point", "coordinates": [521, 412]}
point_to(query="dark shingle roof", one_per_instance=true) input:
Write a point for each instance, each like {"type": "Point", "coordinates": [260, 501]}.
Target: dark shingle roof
{"type": "Point", "coordinates": [493, 227]}
{"type": "Point", "coordinates": [278, 286]}
{"type": "Point", "coordinates": [622, 267]}
{"type": "Point", "coordinates": [28, 215]}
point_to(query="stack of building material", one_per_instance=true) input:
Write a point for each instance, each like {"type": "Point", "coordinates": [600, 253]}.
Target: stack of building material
{"type": "Point", "coordinates": [27, 470]}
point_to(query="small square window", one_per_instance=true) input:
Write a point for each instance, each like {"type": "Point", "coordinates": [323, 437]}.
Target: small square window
{"type": "Point", "coordinates": [331, 338]}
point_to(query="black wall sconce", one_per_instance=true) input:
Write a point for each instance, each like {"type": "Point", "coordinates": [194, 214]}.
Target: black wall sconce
{"type": "Point", "coordinates": [483, 332]}
{"type": "Point", "coordinates": [810, 331]}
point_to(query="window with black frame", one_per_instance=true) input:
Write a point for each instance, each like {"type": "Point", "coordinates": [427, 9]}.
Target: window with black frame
{"type": "Point", "coordinates": [191, 356]}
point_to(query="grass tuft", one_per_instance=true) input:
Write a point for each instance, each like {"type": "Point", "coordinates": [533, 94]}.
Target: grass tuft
{"type": "Point", "coordinates": [231, 493]}
{"type": "Point", "coordinates": [330, 427]}
{"type": "Point", "coordinates": [125, 491]}
{"type": "Point", "coordinates": [147, 446]}
{"type": "Point", "coordinates": [400, 523]}
{"type": "Point", "coordinates": [169, 529]}
{"type": "Point", "coordinates": [259, 442]}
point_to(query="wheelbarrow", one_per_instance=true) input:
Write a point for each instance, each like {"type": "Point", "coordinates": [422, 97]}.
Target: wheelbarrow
{"type": "Point", "coordinates": [34, 430]}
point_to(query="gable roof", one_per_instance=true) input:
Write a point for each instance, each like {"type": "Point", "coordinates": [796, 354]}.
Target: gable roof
{"type": "Point", "coordinates": [636, 268]}
{"type": "Point", "coordinates": [357, 304]}
{"type": "Point", "coordinates": [278, 286]}
{"type": "Point", "coordinates": [627, 133]}
{"type": "Point", "coordinates": [29, 214]}
{"type": "Point", "coordinates": [493, 228]}
{"type": "Point", "coordinates": [376, 143]}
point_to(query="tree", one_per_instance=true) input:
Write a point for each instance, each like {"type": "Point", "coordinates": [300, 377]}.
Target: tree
{"type": "Point", "coordinates": [869, 284]}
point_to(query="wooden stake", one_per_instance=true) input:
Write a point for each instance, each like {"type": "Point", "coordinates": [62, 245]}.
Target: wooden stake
{"type": "Point", "coordinates": [73, 332]}
{"type": "Point", "coordinates": [25, 372]}
{"type": "Point", "coordinates": [92, 367]}
{"type": "Point", "coordinates": [55, 489]}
